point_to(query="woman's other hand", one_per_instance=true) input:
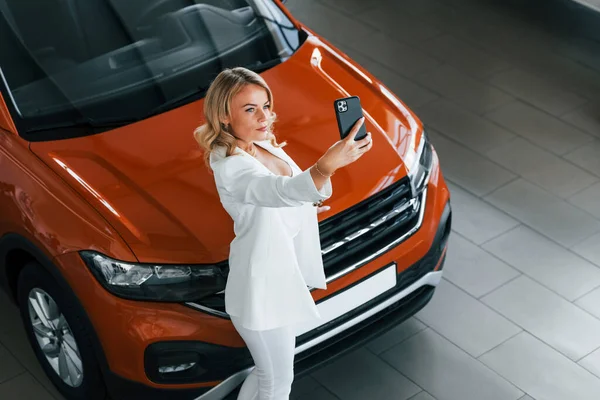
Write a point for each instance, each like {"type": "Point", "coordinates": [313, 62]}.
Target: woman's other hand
{"type": "Point", "coordinates": [323, 209]}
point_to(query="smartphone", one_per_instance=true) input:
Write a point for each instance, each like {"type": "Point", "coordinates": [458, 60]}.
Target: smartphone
{"type": "Point", "coordinates": [347, 111]}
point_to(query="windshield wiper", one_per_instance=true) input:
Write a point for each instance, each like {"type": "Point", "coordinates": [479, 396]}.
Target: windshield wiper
{"type": "Point", "coordinates": [102, 124]}
{"type": "Point", "coordinates": [263, 66]}
{"type": "Point", "coordinates": [185, 98]}
{"type": "Point", "coordinates": [90, 123]}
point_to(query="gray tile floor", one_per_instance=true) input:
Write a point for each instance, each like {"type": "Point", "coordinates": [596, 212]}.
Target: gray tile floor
{"type": "Point", "coordinates": [511, 99]}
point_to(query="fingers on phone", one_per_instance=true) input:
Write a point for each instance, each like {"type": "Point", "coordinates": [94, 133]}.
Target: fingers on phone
{"type": "Point", "coordinates": [366, 140]}
{"type": "Point", "coordinates": [355, 128]}
{"type": "Point", "coordinates": [365, 143]}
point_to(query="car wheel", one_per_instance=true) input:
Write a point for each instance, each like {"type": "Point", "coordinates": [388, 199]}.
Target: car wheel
{"type": "Point", "coordinates": [59, 335]}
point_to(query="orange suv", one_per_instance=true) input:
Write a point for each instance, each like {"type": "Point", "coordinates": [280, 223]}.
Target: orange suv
{"type": "Point", "coordinates": [113, 242]}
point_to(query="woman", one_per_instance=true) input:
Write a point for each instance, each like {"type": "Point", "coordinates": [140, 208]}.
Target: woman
{"type": "Point", "coordinates": [276, 250]}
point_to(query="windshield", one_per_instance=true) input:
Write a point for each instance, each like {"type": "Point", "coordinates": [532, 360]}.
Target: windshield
{"type": "Point", "coordinates": [96, 64]}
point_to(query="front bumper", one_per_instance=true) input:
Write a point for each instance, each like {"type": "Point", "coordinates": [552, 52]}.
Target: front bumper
{"type": "Point", "coordinates": [414, 288]}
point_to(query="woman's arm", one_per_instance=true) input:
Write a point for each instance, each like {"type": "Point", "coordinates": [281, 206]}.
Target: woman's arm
{"type": "Point", "coordinates": [246, 183]}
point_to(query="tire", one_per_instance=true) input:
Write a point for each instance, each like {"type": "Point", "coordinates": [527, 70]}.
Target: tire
{"type": "Point", "coordinates": [66, 342]}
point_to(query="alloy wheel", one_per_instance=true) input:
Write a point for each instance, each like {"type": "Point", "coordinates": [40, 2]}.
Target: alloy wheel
{"type": "Point", "coordinates": [55, 337]}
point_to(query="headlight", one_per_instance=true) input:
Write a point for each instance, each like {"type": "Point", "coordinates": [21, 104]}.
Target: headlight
{"type": "Point", "coordinates": [149, 282]}
{"type": "Point", "coordinates": [419, 170]}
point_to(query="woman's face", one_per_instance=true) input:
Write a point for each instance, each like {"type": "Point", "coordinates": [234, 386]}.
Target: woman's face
{"type": "Point", "coordinates": [250, 114]}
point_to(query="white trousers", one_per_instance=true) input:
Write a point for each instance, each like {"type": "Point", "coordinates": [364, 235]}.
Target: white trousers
{"type": "Point", "coordinates": [273, 354]}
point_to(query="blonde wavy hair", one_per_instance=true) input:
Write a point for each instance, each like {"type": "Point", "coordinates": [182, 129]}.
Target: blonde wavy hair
{"type": "Point", "coordinates": [217, 107]}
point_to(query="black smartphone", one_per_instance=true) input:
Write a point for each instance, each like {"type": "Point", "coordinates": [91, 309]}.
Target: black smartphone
{"type": "Point", "coordinates": [347, 112]}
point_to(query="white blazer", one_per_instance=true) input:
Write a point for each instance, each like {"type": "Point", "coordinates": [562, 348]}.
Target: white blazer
{"type": "Point", "coordinates": [276, 251]}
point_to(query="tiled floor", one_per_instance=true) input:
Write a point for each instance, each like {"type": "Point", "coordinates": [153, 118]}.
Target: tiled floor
{"type": "Point", "coordinates": [511, 100]}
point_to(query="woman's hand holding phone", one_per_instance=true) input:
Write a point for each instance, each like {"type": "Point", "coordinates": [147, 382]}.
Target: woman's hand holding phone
{"type": "Point", "coordinates": [345, 151]}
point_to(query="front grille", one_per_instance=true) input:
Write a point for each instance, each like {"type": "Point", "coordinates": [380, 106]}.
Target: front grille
{"type": "Point", "coordinates": [350, 238]}
{"type": "Point", "coordinates": [434, 256]}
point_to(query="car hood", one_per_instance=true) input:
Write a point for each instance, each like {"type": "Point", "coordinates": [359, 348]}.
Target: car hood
{"type": "Point", "coordinates": [148, 179]}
